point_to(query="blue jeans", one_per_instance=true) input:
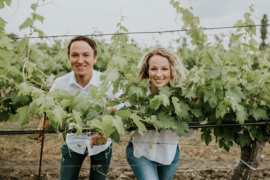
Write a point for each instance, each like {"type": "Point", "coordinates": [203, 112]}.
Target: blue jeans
{"type": "Point", "coordinates": [145, 169]}
{"type": "Point", "coordinates": [71, 165]}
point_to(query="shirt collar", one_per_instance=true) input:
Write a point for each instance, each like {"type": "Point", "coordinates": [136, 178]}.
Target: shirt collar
{"type": "Point", "coordinates": [148, 92]}
{"type": "Point", "coordinates": [93, 80]}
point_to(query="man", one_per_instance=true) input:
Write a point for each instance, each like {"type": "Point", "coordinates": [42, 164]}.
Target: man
{"type": "Point", "coordinates": [82, 54]}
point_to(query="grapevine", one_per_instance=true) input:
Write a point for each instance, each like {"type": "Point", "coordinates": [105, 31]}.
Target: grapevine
{"type": "Point", "coordinates": [229, 85]}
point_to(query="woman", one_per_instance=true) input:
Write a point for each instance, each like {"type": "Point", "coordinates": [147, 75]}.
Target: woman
{"type": "Point", "coordinates": [162, 68]}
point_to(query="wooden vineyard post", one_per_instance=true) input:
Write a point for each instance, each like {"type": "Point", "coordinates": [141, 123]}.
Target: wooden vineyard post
{"type": "Point", "coordinates": [41, 150]}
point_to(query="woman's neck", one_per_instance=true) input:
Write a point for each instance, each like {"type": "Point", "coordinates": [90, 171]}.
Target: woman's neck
{"type": "Point", "coordinates": [153, 90]}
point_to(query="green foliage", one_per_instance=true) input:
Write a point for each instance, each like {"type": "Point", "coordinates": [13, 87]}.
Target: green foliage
{"type": "Point", "coordinates": [109, 75]}
{"type": "Point", "coordinates": [225, 83]}
{"type": "Point", "coordinates": [22, 115]}
{"type": "Point", "coordinates": [27, 23]}
{"type": "Point", "coordinates": [118, 123]}
{"type": "Point", "coordinates": [222, 85]}
{"type": "Point", "coordinates": [2, 3]}
{"type": "Point", "coordinates": [2, 27]}
{"type": "Point", "coordinates": [79, 104]}
{"type": "Point", "coordinates": [182, 128]}
{"type": "Point", "coordinates": [123, 113]}
{"type": "Point", "coordinates": [244, 139]}
{"type": "Point", "coordinates": [37, 17]}
{"type": "Point", "coordinates": [206, 135]}
{"type": "Point", "coordinates": [34, 6]}
{"type": "Point", "coordinates": [22, 44]}
{"type": "Point", "coordinates": [57, 114]}
{"type": "Point", "coordinates": [139, 124]}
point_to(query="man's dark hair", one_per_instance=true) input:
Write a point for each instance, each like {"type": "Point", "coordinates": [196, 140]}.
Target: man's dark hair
{"type": "Point", "coordinates": [91, 43]}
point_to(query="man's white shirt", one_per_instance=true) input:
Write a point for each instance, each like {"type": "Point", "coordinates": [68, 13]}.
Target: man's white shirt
{"type": "Point", "coordinates": [68, 82]}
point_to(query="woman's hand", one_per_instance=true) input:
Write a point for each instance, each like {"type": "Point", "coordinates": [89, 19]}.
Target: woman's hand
{"type": "Point", "coordinates": [194, 101]}
{"type": "Point", "coordinates": [95, 140]}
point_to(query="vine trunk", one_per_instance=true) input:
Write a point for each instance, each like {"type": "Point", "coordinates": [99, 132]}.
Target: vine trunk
{"type": "Point", "coordinates": [251, 155]}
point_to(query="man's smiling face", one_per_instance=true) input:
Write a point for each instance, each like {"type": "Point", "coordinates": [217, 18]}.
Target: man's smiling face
{"type": "Point", "coordinates": [82, 58]}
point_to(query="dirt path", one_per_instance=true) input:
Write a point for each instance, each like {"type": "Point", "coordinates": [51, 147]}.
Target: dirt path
{"type": "Point", "coordinates": [19, 159]}
{"type": "Point", "coordinates": [16, 169]}
{"type": "Point", "coordinates": [115, 173]}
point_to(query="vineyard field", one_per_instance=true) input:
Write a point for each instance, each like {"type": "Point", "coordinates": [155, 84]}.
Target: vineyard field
{"type": "Point", "coordinates": [23, 156]}
{"type": "Point", "coordinates": [214, 86]}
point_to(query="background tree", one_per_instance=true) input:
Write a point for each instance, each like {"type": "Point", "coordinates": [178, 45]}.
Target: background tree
{"type": "Point", "coordinates": [264, 22]}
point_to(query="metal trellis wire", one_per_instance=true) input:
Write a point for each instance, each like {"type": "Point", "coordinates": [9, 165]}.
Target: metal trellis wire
{"type": "Point", "coordinates": [229, 124]}
{"type": "Point", "coordinates": [142, 32]}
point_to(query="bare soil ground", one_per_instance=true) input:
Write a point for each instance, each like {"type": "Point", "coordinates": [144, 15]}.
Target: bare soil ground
{"type": "Point", "coordinates": [19, 158]}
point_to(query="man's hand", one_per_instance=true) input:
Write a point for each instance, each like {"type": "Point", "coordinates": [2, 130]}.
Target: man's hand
{"type": "Point", "coordinates": [112, 109]}
{"type": "Point", "coordinates": [39, 137]}
{"type": "Point", "coordinates": [95, 140]}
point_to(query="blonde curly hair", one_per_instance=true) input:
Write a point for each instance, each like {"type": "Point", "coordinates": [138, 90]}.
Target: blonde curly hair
{"type": "Point", "coordinates": [176, 66]}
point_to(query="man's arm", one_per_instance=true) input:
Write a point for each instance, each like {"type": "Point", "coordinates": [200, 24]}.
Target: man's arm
{"type": "Point", "coordinates": [39, 137]}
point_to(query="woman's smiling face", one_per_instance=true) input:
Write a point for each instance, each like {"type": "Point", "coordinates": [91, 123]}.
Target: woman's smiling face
{"type": "Point", "coordinates": [159, 72]}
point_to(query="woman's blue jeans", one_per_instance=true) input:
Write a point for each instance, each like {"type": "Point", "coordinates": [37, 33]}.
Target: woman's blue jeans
{"type": "Point", "coordinates": [145, 169]}
{"type": "Point", "coordinates": [71, 164]}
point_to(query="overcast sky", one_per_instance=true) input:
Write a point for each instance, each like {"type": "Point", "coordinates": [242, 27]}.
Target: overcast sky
{"type": "Point", "coordinates": [80, 17]}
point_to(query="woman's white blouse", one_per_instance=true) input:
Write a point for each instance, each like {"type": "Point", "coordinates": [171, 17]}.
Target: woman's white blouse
{"type": "Point", "coordinates": [163, 146]}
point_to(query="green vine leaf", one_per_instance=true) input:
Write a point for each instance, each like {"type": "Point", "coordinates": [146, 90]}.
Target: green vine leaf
{"type": "Point", "coordinates": [37, 17]}
{"type": "Point", "coordinates": [139, 124]}
{"type": "Point", "coordinates": [22, 116]}
{"type": "Point", "coordinates": [57, 114]}
{"type": "Point", "coordinates": [22, 44]}
{"type": "Point", "coordinates": [177, 107]}
{"type": "Point", "coordinates": [244, 140]}
{"type": "Point", "coordinates": [109, 75]}
{"type": "Point", "coordinates": [123, 113]}
{"type": "Point", "coordinates": [118, 123]}
{"type": "Point", "coordinates": [258, 113]}
{"type": "Point", "coordinates": [182, 128]}
{"type": "Point", "coordinates": [27, 23]}
{"type": "Point", "coordinates": [2, 5]}
{"type": "Point", "coordinates": [34, 6]}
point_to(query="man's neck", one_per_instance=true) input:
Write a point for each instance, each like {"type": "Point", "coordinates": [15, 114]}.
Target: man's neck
{"type": "Point", "coordinates": [83, 80]}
